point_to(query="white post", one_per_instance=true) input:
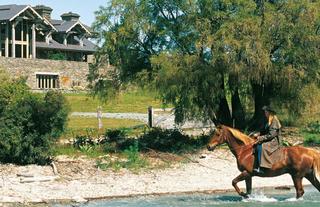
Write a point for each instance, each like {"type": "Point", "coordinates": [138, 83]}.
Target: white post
{"type": "Point", "coordinates": [48, 37]}
{"type": "Point", "coordinates": [81, 40]}
{"type": "Point", "coordinates": [33, 41]}
{"type": "Point", "coordinates": [65, 42]}
{"type": "Point", "coordinates": [27, 40]}
{"type": "Point", "coordinates": [99, 116]}
{"type": "Point", "coordinates": [7, 40]}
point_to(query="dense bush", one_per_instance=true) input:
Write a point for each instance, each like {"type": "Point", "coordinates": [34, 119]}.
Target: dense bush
{"type": "Point", "coordinates": [82, 140]}
{"type": "Point", "coordinates": [57, 56]}
{"type": "Point", "coordinates": [311, 139]}
{"type": "Point", "coordinates": [115, 134]}
{"type": "Point", "coordinates": [312, 133]}
{"type": "Point", "coordinates": [29, 123]}
{"type": "Point", "coordinates": [313, 127]}
{"type": "Point", "coordinates": [169, 140]}
{"type": "Point", "coordinates": [165, 140]}
{"type": "Point", "coordinates": [305, 109]}
{"type": "Point", "coordinates": [117, 140]}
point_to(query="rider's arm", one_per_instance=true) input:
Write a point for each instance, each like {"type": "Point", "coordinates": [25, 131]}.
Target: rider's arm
{"type": "Point", "coordinates": [272, 133]}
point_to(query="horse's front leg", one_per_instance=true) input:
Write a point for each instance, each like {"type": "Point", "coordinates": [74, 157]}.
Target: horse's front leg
{"type": "Point", "coordinates": [249, 185]}
{"type": "Point", "coordinates": [243, 176]}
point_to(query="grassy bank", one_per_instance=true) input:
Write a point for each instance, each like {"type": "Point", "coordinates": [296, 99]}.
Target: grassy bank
{"type": "Point", "coordinates": [79, 123]}
{"type": "Point", "coordinates": [131, 101]}
{"type": "Point", "coordinates": [89, 126]}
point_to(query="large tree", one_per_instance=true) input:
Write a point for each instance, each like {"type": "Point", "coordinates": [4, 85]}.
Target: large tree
{"type": "Point", "coordinates": [208, 57]}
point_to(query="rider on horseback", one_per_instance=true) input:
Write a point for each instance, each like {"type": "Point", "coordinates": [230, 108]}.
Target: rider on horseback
{"type": "Point", "coordinates": [267, 141]}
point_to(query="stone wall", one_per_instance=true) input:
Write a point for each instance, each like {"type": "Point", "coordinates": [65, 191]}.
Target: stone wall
{"type": "Point", "coordinates": [71, 74]}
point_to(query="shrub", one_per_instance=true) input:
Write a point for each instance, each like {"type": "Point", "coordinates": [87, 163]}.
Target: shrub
{"type": "Point", "coordinates": [133, 160]}
{"type": "Point", "coordinates": [82, 141]}
{"type": "Point", "coordinates": [166, 140]}
{"type": "Point", "coordinates": [117, 140]}
{"type": "Point", "coordinates": [312, 133]}
{"type": "Point", "coordinates": [310, 109]}
{"type": "Point", "coordinates": [116, 134]}
{"type": "Point", "coordinates": [312, 139]}
{"type": "Point", "coordinates": [29, 123]}
{"type": "Point", "coordinates": [57, 56]}
{"type": "Point", "coordinates": [313, 127]}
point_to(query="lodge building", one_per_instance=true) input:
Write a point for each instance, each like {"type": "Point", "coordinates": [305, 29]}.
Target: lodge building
{"type": "Point", "coordinates": [30, 39]}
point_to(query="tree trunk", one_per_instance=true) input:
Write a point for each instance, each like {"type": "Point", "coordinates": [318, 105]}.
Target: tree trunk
{"type": "Point", "coordinates": [223, 114]}
{"type": "Point", "coordinates": [261, 97]}
{"type": "Point", "coordinates": [238, 115]}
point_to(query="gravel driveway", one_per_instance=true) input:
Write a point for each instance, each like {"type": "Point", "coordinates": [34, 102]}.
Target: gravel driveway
{"type": "Point", "coordinates": [160, 120]}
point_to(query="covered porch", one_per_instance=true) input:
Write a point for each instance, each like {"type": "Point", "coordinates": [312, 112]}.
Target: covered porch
{"type": "Point", "coordinates": [19, 31]}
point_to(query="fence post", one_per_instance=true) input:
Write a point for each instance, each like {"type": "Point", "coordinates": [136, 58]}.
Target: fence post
{"type": "Point", "coordinates": [99, 116]}
{"type": "Point", "coordinates": [150, 116]}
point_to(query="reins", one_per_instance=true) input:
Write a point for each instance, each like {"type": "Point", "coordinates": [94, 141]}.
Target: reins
{"type": "Point", "coordinates": [242, 147]}
{"type": "Point", "coordinates": [245, 146]}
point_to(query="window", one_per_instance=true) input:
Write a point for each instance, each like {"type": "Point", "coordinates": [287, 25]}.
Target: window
{"type": "Point", "coordinates": [47, 81]}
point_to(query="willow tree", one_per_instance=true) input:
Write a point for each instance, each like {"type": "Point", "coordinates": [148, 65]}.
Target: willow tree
{"type": "Point", "coordinates": [204, 56]}
{"type": "Point", "coordinates": [205, 74]}
{"type": "Point", "coordinates": [290, 34]}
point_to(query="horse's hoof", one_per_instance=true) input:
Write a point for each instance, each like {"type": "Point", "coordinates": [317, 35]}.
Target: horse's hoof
{"type": "Point", "coordinates": [245, 195]}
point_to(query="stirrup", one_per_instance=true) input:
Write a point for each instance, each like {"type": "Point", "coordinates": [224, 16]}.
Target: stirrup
{"type": "Point", "coordinates": [257, 170]}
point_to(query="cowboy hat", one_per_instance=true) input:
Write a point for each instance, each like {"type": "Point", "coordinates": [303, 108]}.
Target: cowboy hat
{"type": "Point", "coordinates": [269, 109]}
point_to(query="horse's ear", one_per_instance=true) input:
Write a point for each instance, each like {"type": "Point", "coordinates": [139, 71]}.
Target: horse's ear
{"type": "Point", "coordinates": [218, 129]}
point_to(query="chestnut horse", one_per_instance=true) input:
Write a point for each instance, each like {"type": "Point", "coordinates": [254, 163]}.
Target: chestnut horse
{"type": "Point", "coordinates": [298, 161]}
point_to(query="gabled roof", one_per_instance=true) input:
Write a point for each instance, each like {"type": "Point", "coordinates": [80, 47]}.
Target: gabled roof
{"type": "Point", "coordinates": [12, 11]}
{"type": "Point", "coordinates": [67, 26]}
{"type": "Point", "coordinates": [81, 25]}
{"type": "Point", "coordinates": [7, 12]}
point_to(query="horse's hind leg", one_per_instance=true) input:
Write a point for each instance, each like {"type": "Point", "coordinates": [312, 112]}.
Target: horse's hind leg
{"type": "Point", "coordinates": [297, 181]}
{"type": "Point", "coordinates": [313, 180]}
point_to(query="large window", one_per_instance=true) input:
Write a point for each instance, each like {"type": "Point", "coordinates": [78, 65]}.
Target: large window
{"type": "Point", "coordinates": [47, 81]}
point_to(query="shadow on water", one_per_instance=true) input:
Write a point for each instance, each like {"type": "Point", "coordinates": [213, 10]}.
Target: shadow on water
{"type": "Point", "coordinates": [263, 198]}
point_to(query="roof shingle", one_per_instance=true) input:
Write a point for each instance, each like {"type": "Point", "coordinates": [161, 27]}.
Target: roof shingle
{"type": "Point", "coordinates": [9, 11]}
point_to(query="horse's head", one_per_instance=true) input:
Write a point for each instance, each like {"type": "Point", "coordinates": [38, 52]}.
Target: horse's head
{"type": "Point", "coordinates": [217, 139]}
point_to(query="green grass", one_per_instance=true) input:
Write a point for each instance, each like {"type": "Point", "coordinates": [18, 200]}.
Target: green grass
{"type": "Point", "coordinates": [78, 123]}
{"type": "Point", "coordinates": [133, 161]}
{"type": "Point", "coordinates": [130, 159]}
{"type": "Point", "coordinates": [89, 126]}
{"type": "Point", "coordinates": [311, 139]}
{"type": "Point", "coordinates": [131, 101]}
{"type": "Point", "coordinates": [69, 150]}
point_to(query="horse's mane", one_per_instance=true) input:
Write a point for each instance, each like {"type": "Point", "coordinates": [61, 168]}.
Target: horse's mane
{"type": "Point", "coordinates": [245, 139]}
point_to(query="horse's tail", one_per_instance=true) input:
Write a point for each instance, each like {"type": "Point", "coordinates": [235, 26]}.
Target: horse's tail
{"type": "Point", "coordinates": [316, 165]}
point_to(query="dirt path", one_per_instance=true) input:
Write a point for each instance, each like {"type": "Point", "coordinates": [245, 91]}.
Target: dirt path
{"type": "Point", "coordinates": [163, 120]}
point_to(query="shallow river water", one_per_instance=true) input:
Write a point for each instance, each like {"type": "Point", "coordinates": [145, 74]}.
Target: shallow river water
{"type": "Point", "coordinates": [264, 198]}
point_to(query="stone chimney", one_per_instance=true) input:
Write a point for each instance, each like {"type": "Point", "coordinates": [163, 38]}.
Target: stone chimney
{"type": "Point", "coordinates": [70, 16]}
{"type": "Point", "coordinates": [44, 11]}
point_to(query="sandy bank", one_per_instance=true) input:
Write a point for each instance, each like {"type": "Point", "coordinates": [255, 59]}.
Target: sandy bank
{"type": "Point", "coordinates": [79, 180]}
